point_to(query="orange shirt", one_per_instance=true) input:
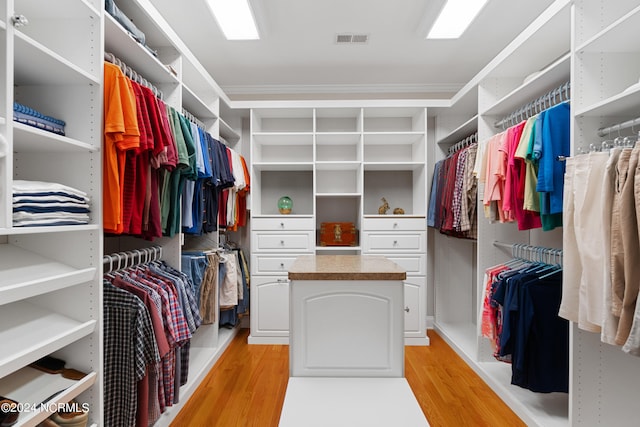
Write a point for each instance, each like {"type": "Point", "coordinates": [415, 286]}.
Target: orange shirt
{"type": "Point", "coordinates": [121, 133]}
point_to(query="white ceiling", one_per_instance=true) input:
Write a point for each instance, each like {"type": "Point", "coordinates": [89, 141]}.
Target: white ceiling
{"type": "Point", "coordinates": [297, 55]}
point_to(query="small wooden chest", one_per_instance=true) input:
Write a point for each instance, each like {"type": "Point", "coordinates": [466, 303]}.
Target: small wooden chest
{"type": "Point", "coordinates": [338, 234]}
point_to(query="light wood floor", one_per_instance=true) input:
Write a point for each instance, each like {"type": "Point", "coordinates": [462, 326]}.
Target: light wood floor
{"type": "Point", "coordinates": [247, 387]}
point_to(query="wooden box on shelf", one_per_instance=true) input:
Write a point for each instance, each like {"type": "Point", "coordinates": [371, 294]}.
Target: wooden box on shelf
{"type": "Point", "coordinates": [338, 234]}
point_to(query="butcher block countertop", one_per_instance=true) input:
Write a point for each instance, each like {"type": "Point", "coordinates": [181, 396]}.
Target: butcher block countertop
{"type": "Point", "coordinates": [345, 267]}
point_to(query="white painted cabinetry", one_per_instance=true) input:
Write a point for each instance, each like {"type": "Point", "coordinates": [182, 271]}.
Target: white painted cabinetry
{"type": "Point", "coordinates": [336, 162]}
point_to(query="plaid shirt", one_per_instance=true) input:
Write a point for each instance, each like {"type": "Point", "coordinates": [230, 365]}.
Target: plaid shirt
{"type": "Point", "coordinates": [129, 346]}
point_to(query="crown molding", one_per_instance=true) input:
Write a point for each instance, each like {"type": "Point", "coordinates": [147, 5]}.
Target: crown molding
{"type": "Point", "coordinates": [345, 88]}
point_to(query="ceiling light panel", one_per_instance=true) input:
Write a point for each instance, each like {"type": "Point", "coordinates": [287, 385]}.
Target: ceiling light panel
{"type": "Point", "coordinates": [455, 17]}
{"type": "Point", "coordinates": [235, 19]}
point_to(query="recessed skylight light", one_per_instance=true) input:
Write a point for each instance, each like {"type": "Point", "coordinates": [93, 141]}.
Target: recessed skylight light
{"type": "Point", "coordinates": [455, 18]}
{"type": "Point", "coordinates": [235, 19]}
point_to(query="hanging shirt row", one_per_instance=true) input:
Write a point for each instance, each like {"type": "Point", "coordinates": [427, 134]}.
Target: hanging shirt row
{"type": "Point", "coordinates": [520, 318]}
{"type": "Point", "coordinates": [523, 171]}
{"type": "Point", "coordinates": [602, 245]}
{"type": "Point", "coordinates": [150, 314]}
{"type": "Point", "coordinates": [453, 198]}
{"type": "Point", "coordinates": [226, 270]}
{"type": "Point", "coordinates": [154, 158]}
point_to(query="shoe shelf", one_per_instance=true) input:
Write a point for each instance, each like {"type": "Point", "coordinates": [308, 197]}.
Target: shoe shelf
{"type": "Point", "coordinates": [31, 332]}
{"type": "Point", "coordinates": [24, 274]}
{"type": "Point", "coordinates": [29, 386]}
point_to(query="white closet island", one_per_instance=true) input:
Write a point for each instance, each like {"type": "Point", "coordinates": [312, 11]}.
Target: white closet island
{"type": "Point", "coordinates": [347, 346]}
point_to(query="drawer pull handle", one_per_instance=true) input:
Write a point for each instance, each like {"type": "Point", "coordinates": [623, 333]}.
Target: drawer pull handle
{"type": "Point", "coordinates": [282, 281]}
{"type": "Point", "coordinates": [407, 309]}
{"type": "Point", "coordinates": [395, 225]}
{"type": "Point", "coordinates": [282, 225]}
{"type": "Point", "coordinates": [281, 242]}
{"type": "Point", "coordinates": [395, 243]}
{"type": "Point", "coordinates": [282, 265]}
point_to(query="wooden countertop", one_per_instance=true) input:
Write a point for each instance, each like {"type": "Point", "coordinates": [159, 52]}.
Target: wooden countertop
{"type": "Point", "coordinates": [345, 267]}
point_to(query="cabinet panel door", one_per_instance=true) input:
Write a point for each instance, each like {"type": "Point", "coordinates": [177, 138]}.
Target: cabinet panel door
{"type": "Point", "coordinates": [295, 241]}
{"type": "Point", "coordinates": [393, 224]}
{"type": "Point", "coordinates": [270, 306]}
{"type": "Point", "coordinates": [282, 224]}
{"type": "Point", "coordinates": [271, 264]}
{"type": "Point", "coordinates": [415, 305]}
{"type": "Point", "coordinates": [394, 242]}
{"type": "Point", "coordinates": [413, 264]}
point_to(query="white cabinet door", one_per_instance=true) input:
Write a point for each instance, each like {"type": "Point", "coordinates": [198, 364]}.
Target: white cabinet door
{"type": "Point", "coordinates": [415, 305]}
{"type": "Point", "coordinates": [270, 306]}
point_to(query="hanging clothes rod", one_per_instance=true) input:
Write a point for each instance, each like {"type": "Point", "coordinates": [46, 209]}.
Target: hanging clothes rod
{"type": "Point", "coordinates": [532, 253]}
{"type": "Point", "coordinates": [546, 101]}
{"type": "Point", "coordinates": [619, 127]}
{"type": "Point", "coordinates": [127, 259]}
{"type": "Point", "coordinates": [464, 143]}
{"type": "Point", "coordinates": [132, 74]}
{"type": "Point", "coordinates": [192, 118]}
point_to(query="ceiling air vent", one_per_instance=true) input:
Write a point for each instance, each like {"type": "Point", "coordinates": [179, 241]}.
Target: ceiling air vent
{"type": "Point", "coordinates": [352, 38]}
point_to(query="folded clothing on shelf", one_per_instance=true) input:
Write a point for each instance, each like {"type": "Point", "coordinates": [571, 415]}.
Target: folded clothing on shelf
{"type": "Point", "coordinates": [39, 203]}
{"type": "Point", "coordinates": [31, 117]}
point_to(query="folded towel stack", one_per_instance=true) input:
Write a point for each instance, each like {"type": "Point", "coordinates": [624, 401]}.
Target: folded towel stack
{"type": "Point", "coordinates": [37, 203]}
{"type": "Point", "coordinates": [31, 117]}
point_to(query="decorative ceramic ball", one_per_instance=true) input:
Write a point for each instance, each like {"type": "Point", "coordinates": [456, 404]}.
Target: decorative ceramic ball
{"type": "Point", "coordinates": [285, 204]}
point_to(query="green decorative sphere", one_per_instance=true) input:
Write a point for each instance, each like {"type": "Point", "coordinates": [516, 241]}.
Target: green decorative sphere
{"type": "Point", "coordinates": [285, 204]}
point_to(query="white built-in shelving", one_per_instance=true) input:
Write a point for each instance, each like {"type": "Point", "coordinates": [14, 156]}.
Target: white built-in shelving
{"type": "Point", "coordinates": [336, 162]}
{"type": "Point", "coordinates": [536, 62]}
{"type": "Point", "coordinates": [50, 283]}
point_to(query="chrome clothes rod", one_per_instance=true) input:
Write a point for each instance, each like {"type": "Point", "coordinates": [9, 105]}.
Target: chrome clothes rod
{"type": "Point", "coordinates": [123, 260]}
{"type": "Point", "coordinates": [532, 253]}
{"type": "Point", "coordinates": [554, 97]}
{"type": "Point", "coordinates": [132, 74]}
{"type": "Point", "coordinates": [193, 118]}
{"type": "Point", "coordinates": [619, 127]}
{"type": "Point", "coordinates": [464, 143]}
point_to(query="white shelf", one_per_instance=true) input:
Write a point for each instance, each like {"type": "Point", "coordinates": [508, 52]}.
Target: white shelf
{"type": "Point", "coordinates": [228, 133]}
{"type": "Point", "coordinates": [283, 216]}
{"type": "Point", "coordinates": [51, 229]}
{"type": "Point", "coordinates": [195, 105]}
{"type": "Point", "coordinates": [338, 248]}
{"type": "Point", "coordinates": [24, 274]}
{"type": "Point", "coordinates": [35, 64]}
{"type": "Point", "coordinates": [462, 337]}
{"type": "Point", "coordinates": [615, 37]}
{"type": "Point", "coordinates": [29, 138]}
{"type": "Point", "coordinates": [548, 79]}
{"type": "Point", "coordinates": [123, 46]}
{"type": "Point", "coordinates": [536, 409]}
{"type": "Point", "coordinates": [464, 130]}
{"type": "Point", "coordinates": [283, 138]}
{"type": "Point", "coordinates": [393, 216]}
{"type": "Point", "coordinates": [624, 104]}
{"type": "Point", "coordinates": [389, 138]}
{"type": "Point", "coordinates": [31, 386]}
{"type": "Point", "coordinates": [396, 166]}
{"type": "Point", "coordinates": [338, 138]}
{"type": "Point", "coordinates": [336, 166]}
{"type": "Point", "coordinates": [345, 195]}
{"type": "Point", "coordinates": [31, 332]}
{"type": "Point", "coordinates": [284, 167]}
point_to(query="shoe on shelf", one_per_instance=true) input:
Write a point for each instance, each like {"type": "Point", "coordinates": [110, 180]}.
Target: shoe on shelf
{"type": "Point", "coordinates": [48, 423]}
{"type": "Point", "coordinates": [8, 413]}
{"type": "Point", "coordinates": [77, 418]}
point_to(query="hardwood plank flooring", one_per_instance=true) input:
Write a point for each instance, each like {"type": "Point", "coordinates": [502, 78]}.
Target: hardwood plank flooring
{"type": "Point", "coordinates": [246, 388]}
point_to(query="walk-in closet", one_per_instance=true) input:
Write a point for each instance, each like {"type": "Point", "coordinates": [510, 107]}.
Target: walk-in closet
{"type": "Point", "coordinates": [197, 229]}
